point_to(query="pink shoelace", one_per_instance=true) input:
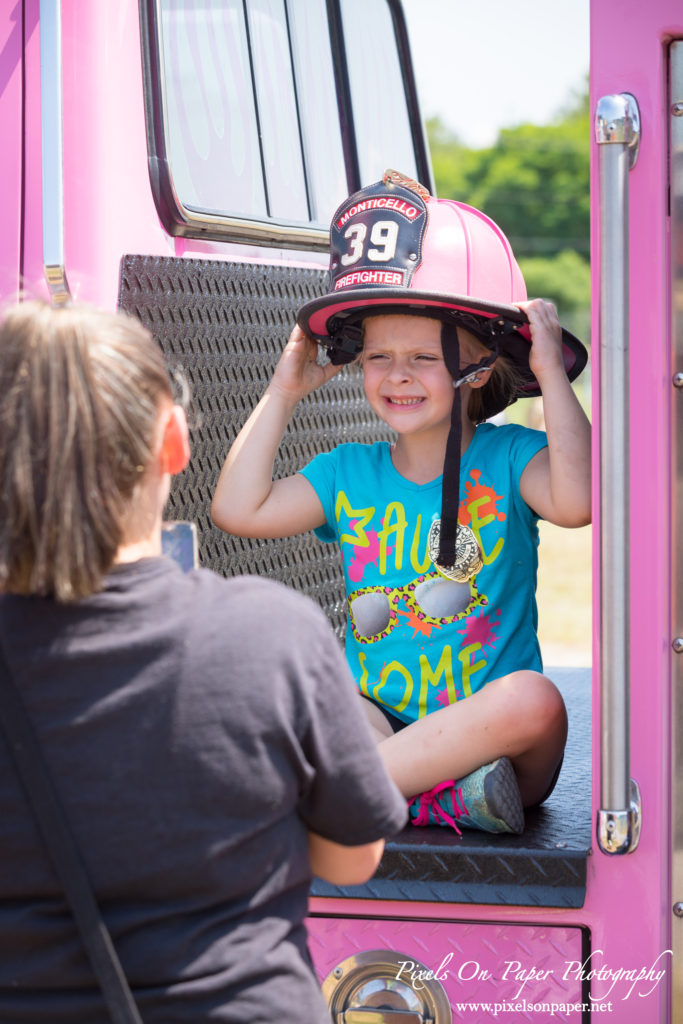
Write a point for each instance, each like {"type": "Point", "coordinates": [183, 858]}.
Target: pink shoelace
{"type": "Point", "coordinates": [430, 801]}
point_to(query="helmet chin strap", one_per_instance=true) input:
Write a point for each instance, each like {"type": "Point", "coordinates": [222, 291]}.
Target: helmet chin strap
{"type": "Point", "coordinates": [450, 489]}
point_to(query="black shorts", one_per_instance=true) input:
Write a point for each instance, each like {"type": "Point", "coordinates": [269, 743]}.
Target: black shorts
{"type": "Point", "coordinates": [394, 721]}
{"type": "Point", "coordinates": [553, 783]}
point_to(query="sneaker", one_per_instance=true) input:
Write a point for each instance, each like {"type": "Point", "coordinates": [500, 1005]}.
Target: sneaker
{"type": "Point", "coordinates": [487, 799]}
{"type": "Point", "coordinates": [439, 806]}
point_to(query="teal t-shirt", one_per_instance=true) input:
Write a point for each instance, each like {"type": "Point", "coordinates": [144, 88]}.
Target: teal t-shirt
{"type": "Point", "coordinates": [416, 642]}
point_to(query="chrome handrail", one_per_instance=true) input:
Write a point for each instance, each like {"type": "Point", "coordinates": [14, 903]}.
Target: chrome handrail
{"type": "Point", "coordinates": [52, 150]}
{"type": "Point", "coordinates": [617, 133]}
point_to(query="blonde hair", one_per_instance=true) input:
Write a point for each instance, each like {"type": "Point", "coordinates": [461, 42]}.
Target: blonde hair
{"type": "Point", "coordinates": [503, 384]}
{"type": "Point", "coordinates": [500, 390]}
{"type": "Point", "coordinates": [80, 391]}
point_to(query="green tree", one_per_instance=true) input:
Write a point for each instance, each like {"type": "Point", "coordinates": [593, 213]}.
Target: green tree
{"type": "Point", "coordinates": [534, 180]}
{"type": "Point", "coordinates": [565, 277]}
{"type": "Point", "coordinates": [453, 163]}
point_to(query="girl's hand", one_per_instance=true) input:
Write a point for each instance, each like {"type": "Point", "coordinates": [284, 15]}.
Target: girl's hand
{"type": "Point", "coordinates": [556, 482]}
{"type": "Point", "coordinates": [546, 338]}
{"type": "Point", "coordinates": [298, 371]}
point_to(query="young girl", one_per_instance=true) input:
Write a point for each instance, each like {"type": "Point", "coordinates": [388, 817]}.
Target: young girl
{"type": "Point", "coordinates": [200, 801]}
{"type": "Point", "coordinates": [441, 635]}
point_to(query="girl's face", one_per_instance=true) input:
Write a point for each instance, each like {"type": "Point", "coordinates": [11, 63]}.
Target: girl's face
{"type": "Point", "coordinates": [404, 374]}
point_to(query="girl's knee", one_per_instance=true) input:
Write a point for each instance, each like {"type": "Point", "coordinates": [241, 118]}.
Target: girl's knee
{"type": "Point", "coordinates": [538, 702]}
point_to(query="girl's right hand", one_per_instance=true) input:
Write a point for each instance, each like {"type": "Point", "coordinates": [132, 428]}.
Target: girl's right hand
{"type": "Point", "coordinates": [298, 371]}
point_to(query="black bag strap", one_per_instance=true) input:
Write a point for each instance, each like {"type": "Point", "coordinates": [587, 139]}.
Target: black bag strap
{"type": "Point", "coordinates": [64, 854]}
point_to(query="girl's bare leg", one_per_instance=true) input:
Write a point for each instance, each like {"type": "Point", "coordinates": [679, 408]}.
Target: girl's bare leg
{"type": "Point", "coordinates": [521, 716]}
{"type": "Point", "coordinates": [381, 729]}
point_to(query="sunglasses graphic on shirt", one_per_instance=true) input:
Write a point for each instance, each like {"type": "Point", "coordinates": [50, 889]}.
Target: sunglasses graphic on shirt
{"type": "Point", "coordinates": [374, 611]}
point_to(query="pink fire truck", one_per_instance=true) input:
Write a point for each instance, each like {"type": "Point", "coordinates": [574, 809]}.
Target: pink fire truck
{"type": "Point", "coordinates": [181, 159]}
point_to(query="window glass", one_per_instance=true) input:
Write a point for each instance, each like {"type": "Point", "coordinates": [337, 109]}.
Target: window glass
{"type": "Point", "coordinates": [380, 113]}
{"type": "Point", "coordinates": [210, 116]}
{"type": "Point", "coordinates": [322, 141]}
{"type": "Point", "coordinates": [277, 111]}
{"type": "Point", "coordinates": [251, 117]}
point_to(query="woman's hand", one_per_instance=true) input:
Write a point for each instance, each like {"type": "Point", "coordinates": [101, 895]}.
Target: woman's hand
{"type": "Point", "coordinates": [298, 371]}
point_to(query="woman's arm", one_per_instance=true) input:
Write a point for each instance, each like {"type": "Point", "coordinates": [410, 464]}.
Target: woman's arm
{"type": "Point", "coordinates": [247, 501]}
{"type": "Point", "coordinates": [556, 483]}
{"type": "Point", "coordinates": [343, 865]}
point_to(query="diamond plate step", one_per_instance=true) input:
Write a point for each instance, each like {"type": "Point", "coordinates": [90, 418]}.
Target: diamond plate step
{"type": "Point", "coordinates": [545, 866]}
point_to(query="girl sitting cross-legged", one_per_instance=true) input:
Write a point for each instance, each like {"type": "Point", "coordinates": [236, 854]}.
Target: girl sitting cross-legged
{"type": "Point", "coordinates": [437, 530]}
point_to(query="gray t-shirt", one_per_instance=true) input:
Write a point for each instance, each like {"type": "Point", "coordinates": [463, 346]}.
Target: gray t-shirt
{"type": "Point", "coordinates": [195, 727]}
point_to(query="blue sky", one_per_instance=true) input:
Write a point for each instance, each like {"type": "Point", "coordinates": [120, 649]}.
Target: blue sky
{"type": "Point", "coordinates": [486, 64]}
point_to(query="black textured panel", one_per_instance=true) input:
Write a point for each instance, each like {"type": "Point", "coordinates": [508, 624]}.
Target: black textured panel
{"type": "Point", "coordinates": [225, 325]}
{"type": "Point", "coordinates": [545, 866]}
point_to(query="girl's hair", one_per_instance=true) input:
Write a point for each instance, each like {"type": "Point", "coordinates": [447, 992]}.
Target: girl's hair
{"type": "Point", "coordinates": [501, 389]}
{"type": "Point", "coordinates": [80, 391]}
{"type": "Point", "coordinates": [504, 382]}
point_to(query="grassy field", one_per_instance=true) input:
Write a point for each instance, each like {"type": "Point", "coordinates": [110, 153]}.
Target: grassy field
{"type": "Point", "coordinates": [564, 595]}
{"type": "Point", "coordinates": [564, 574]}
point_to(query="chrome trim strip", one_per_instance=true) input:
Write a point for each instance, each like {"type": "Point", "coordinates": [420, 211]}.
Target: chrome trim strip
{"type": "Point", "coordinates": [676, 261]}
{"type": "Point", "coordinates": [617, 120]}
{"type": "Point", "coordinates": [619, 831]}
{"type": "Point", "coordinates": [52, 150]}
{"type": "Point", "coordinates": [272, 233]}
{"type": "Point", "coordinates": [617, 133]}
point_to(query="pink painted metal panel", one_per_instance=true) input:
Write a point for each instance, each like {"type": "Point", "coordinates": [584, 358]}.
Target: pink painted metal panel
{"type": "Point", "coordinates": [109, 208]}
{"type": "Point", "coordinates": [487, 970]}
{"type": "Point", "coordinates": [628, 898]}
{"type": "Point", "coordinates": [108, 202]}
{"type": "Point", "coordinates": [11, 46]}
{"type": "Point", "coordinates": [32, 265]}
{"type": "Point", "coordinates": [108, 205]}
{"type": "Point", "coordinates": [615, 967]}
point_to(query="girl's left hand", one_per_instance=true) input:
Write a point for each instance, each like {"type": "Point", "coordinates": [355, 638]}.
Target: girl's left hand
{"type": "Point", "coordinates": [546, 337]}
{"type": "Point", "coordinates": [556, 482]}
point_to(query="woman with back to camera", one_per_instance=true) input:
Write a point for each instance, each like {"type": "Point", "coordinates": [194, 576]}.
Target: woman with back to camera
{"type": "Point", "coordinates": [205, 773]}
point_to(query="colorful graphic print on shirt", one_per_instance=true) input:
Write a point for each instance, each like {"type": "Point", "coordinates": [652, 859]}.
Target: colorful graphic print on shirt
{"type": "Point", "coordinates": [415, 641]}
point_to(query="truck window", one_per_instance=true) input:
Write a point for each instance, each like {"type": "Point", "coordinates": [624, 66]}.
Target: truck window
{"type": "Point", "coordinates": [382, 125]}
{"type": "Point", "coordinates": [246, 100]}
